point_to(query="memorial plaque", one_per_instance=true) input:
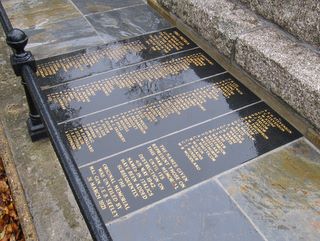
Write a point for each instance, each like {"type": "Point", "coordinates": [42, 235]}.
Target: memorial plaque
{"type": "Point", "coordinates": [151, 117]}
{"type": "Point", "coordinates": [141, 175]}
{"type": "Point", "coordinates": [95, 60]}
{"type": "Point", "coordinates": [80, 97]}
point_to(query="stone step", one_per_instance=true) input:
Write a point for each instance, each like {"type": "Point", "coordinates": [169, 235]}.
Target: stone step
{"type": "Point", "coordinates": [300, 18]}
{"type": "Point", "coordinates": [278, 61]}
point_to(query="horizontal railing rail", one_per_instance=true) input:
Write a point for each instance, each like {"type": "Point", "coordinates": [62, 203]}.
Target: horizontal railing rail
{"type": "Point", "coordinates": [24, 66]}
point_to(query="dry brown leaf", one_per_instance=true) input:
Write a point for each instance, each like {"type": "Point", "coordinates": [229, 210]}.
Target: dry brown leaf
{"type": "Point", "coordinates": [3, 186]}
{"type": "Point", "coordinates": [10, 229]}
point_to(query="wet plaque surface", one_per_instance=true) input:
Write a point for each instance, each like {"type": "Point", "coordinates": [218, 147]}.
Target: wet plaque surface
{"type": "Point", "coordinates": [84, 63]}
{"type": "Point", "coordinates": [142, 175]}
{"type": "Point", "coordinates": [171, 119]}
{"type": "Point", "coordinates": [152, 117]}
{"type": "Point", "coordinates": [102, 91]}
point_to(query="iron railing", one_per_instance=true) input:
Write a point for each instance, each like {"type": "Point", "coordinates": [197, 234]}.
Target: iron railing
{"type": "Point", "coordinates": [41, 124]}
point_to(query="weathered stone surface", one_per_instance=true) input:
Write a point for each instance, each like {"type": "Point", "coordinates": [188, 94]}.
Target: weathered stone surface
{"type": "Point", "coordinates": [36, 13]}
{"type": "Point", "coordinates": [280, 192]}
{"type": "Point", "coordinates": [203, 213]}
{"type": "Point", "coordinates": [283, 66]}
{"type": "Point", "coordinates": [65, 36]}
{"type": "Point", "coordinates": [54, 210]}
{"type": "Point", "coordinates": [97, 6]}
{"type": "Point", "coordinates": [300, 18]}
{"type": "Point", "coordinates": [128, 22]}
{"type": "Point", "coordinates": [220, 22]}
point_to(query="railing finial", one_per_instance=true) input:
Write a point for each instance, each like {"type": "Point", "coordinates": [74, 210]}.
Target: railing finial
{"type": "Point", "coordinates": [18, 40]}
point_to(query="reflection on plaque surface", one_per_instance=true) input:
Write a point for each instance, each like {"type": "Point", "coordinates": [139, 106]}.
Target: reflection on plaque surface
{"type": "Point", "coordinates": [91, 94]}
{"type": "Point", "coordinates": [84, 63]}
{"type": "Point", "coordinates": [158, 115]}
{"type": "Point", "coordinates": [169, 120]}
{"type": "Point", "coordinates": [132, 179]}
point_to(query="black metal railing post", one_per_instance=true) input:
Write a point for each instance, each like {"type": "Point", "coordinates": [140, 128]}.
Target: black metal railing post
{"type": "Point", "coordinates": [18, 40]}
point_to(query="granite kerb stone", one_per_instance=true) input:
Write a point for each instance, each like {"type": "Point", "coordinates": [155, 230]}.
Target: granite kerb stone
{"type": "Point", "coordinates": [220, 22]}
{"type": "Point", "coordinates": [283, 66]}
{"type": "Point", "coordinates": [300, 18]}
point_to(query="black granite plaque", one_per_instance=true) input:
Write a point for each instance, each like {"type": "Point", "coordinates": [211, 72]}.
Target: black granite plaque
{"type": "Point", "coordinates": [90, 61]}
{"type": "Point", "coordinates": [148, 117]}
{"type": "Point", "coordinates": [142, 175]}
{"type": "Point", "coordinates": [114, 130]}
{"type": "Point", "coordinates": [80, 97]}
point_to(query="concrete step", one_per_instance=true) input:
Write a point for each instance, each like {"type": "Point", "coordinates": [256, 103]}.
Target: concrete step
{"type": "Point", "coordinates": [286, 66]}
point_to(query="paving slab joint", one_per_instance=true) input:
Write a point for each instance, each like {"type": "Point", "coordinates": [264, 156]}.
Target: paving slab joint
{"type": "Point", "coordinates": [241, 210]}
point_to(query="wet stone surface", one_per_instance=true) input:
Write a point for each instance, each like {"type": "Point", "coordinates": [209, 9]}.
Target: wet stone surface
{"type": "Point", "coordinates": [95, 6]}
{"type": "Point", "coordinates": [144, 127]}
{"type": "Point", "coordinates": [147, 135]}
{"type": "Point", "coordinates": [108, 90]}
{"type": "Point", "coordinates": [132, 21]}
{"type": "Point", "coordinates": [203, 213]}
{"type": "Point", "coordinates": [65, 36]}
{"type": "Point", "coordinates": [104, 58]}
{"type": "Point", "coordinates": [55, 213]}
{"type": "Point", "coordinates": [149, 172]}
{"type": "Point", "coordinates": [168, 123]}
{"type": "Point", "coordinates": [280, 192]}
{"type": "Point", "coordinates": [36, 13]}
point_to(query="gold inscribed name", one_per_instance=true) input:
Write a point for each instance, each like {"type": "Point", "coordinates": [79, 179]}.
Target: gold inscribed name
{"type": "Point", "coordinates": [83, 93]}
{"type": "Point", "coordinates": [213, 143]}
{"type": "Point", "coordinates": [162, 41]}
{"type": "Point", "coordinates": [139, 118]}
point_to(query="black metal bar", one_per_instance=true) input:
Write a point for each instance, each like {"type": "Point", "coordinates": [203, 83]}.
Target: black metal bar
{"type": "Point", "coordinates": [5, 22]}
{"type": "Point", "coordinates": [96, 226]}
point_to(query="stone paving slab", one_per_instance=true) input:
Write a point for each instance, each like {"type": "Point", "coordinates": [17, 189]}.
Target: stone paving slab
{"type": "Point", "coordinates": [36, 13]}
{"type": "Point", "coordinates": [128, 22]}
{"type": "Point", "coordinates": [57, 24]}
{"type": "Point", "coordinates": [280, 192]}
{"type": "Point", "coordinates": [60, 37]}
{"type": "Point", "coordinates": [203, 213]}
{"type": "Point", "coordinates": [56, 214]}
{"type": "Point", "coordinates": [96, 6]}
